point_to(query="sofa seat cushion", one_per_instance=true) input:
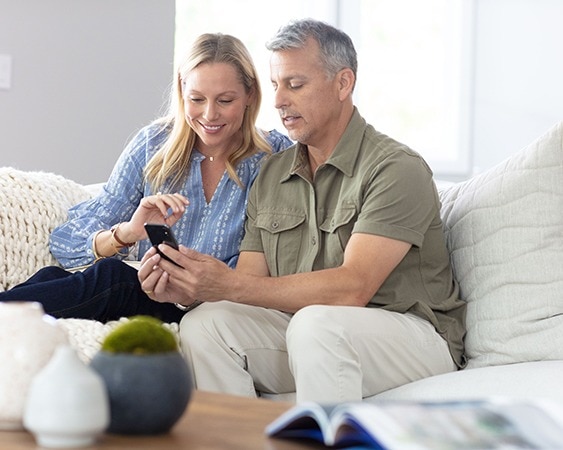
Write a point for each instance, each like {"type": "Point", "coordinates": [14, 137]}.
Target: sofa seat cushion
{"type": "Point", "coordinates": [522, 380]}
{"type": "Point", "coordinates": [538, 379]}
{"type": "Point", "coordinates": [504, 232]}
{"type": "Point", "coordinates": [32, 204]}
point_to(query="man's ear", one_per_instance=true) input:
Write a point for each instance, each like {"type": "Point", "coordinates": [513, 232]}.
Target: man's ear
{"type": "Point", "coordinates": [346, 80]}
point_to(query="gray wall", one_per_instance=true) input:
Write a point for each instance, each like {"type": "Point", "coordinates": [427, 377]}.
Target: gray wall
{"type": "Point", "coordinates": [86, 74]}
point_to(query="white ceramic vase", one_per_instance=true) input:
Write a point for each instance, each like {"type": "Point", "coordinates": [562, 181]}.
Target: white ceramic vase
{"type": "Point", "coordinates": [28, 338]}
{"type": "Point", "coordinates": [68, 404]}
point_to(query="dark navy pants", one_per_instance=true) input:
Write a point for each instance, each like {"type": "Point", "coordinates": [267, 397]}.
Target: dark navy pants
{"type": "Point", "coordinates": [108, 290]}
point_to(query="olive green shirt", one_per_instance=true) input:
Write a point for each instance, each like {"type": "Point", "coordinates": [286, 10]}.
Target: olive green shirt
{"type": "Point", "coordinates": [370, 184]}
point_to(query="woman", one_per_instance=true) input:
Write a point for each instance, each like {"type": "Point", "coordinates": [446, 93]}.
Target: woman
{"type": "Point", "coordinates": [190, 169]}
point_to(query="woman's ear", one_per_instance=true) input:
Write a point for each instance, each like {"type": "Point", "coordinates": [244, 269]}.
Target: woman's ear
{"type": "Point", "coordinates": [251, 97]}
{"type": "Point", "coordinates": [346, 81]}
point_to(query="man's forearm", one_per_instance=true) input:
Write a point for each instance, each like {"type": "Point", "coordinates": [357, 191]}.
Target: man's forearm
{"type": "Point", "coordinates": [292, 292]}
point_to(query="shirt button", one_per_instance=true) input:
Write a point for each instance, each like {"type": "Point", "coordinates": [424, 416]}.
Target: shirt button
{"type": "Point", "coordinates": [275, 225]}
{"type": "Point", "coordinates": [314, 240]}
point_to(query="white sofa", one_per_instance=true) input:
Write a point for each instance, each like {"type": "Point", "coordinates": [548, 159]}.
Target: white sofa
{"type": "Point", "coordinates": [504, 231]}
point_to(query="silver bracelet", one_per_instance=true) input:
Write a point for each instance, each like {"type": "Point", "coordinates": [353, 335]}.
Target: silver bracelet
{"type": "Point", "coordinates": [189, 307]}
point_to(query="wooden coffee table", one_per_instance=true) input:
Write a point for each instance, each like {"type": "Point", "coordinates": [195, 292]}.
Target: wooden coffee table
{"type": "Point", "coordinates": [212, 421]}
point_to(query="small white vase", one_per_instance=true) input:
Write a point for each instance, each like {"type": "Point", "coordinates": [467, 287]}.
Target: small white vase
{"type": "Point", "coordinates": [28, 338]}
{"type": "Point", "coordinates": [67, 404]}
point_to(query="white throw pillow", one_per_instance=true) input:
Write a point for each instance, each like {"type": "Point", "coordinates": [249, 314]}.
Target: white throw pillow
{"type": "Point", "coordinates": [504, 231]}
{"type": "Point", "coordinates": [32, 204]}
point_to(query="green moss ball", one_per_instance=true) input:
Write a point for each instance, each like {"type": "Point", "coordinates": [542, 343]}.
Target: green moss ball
{"type": "Point", "coordinates": [140, 335]}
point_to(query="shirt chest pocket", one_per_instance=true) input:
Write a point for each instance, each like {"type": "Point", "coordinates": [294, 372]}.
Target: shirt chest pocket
{"type": "Point", "coordinates": [281, 235]}
{"type": "Point", "coordinates": [336, 231]}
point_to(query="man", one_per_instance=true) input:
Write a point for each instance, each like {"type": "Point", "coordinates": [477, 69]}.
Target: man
{"type": "Point", "coordinates": [343, 287]}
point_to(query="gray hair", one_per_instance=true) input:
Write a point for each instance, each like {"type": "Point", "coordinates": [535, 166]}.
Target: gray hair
{"type": "Point", "coordinates": [336, 47]}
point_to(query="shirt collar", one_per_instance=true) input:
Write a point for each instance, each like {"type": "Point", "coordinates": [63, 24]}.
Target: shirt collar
{"type": "Point", "coordinates": [344, 155]}
{"type": "Point", "coordinates": [197, 155]}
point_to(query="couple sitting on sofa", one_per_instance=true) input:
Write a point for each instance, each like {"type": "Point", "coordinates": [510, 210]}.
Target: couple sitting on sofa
{"type": "Point", "coordinates": [343, 287]}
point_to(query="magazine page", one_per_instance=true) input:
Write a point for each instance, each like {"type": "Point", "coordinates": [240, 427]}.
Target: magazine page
{"type": "Point", "coordinates": [133, 263]}
{"type": "Point", "coordinates": [464, 424]}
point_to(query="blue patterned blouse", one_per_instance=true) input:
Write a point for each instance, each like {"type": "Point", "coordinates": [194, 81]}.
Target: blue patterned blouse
{"type": "Point", "coordinates": [215, 228]}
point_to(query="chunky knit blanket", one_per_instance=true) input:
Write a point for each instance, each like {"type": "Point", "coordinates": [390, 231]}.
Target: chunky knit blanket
{"type": "Point", "coordinates": [86, 336]}
{"type": "Point", "coordinates": [32, 204]}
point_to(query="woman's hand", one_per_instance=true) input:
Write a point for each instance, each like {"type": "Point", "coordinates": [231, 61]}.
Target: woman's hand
{"type": "Point", "coordinates": [159, 208]}
{"type": "Point", "coordinates": [201, 277]}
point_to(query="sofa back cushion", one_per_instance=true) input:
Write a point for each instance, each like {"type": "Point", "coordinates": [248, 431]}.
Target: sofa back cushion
{"type": "Point", "coordinates": [32, 204]}
{"type": "Point", "coordinates": [504, 230]}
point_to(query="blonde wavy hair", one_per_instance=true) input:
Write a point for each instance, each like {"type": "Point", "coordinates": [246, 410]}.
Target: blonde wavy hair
{"type": "Point", "coordinates": [170, 164]}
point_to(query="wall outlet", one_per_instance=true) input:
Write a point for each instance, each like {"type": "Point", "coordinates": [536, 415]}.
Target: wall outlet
{"type": "Point", "coordinates": [5, 71]}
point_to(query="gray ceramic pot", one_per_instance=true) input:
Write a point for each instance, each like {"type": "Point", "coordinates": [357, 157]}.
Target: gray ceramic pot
{"type": "Point", "coordinates": [147, 393]}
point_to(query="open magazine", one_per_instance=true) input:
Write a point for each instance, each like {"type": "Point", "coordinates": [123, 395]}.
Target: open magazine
{"type": "Point", "coordinates": [408, 425]}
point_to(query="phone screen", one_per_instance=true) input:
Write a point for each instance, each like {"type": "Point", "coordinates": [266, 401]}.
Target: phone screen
{"type": "Point", "coordinates": [161, 234]}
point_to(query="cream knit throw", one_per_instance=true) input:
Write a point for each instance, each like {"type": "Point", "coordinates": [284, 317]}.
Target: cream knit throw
{"type": "Point", "coordinates": [32, 204]}
{"type": "Point", "coordinates": [86, 336]}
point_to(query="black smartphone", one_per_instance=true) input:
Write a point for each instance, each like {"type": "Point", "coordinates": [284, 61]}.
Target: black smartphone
{"type": "Point", "coordinates": [161, 234]}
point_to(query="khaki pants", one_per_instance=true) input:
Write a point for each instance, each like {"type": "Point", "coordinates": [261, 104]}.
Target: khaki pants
{"type": "Point", "coordinates": [323, 353]}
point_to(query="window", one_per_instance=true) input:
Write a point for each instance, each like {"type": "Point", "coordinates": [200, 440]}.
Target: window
{"type": "Point", "coordinates": [414, 62]}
